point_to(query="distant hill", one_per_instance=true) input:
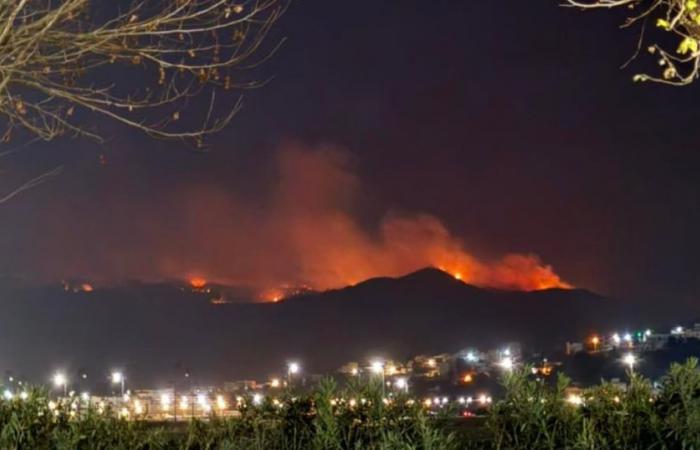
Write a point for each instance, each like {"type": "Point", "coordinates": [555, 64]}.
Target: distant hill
{"type": "Point", "coordinates": [154, 331]}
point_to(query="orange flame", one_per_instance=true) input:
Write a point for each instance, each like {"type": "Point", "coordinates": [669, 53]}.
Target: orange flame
{"type": "Point", "coordinates": [198, 282]}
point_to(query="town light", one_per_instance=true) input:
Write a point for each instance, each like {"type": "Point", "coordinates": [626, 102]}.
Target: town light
{"type": "Point", "coordinates": [401, 383]}
{"type": "Point", "coordinates": [595, 340]}
{"type": "Point", "coordinates": [575, 399]}
{"type": "Point", "coordinates": [484, 399]}
{"type": "Point", "coordinates": [220, 402]}
{"type": "Point", "coordinates": [506, 363]}
{"type": "Point", "coordinates": [257, 399]}
{"type": "Point", "coordinates": [293, 368]}
{"type": "Point", "coordinates": [377, 367]}
{"type": "Point", "coordinates": [165, 401]}
{"type": "Point", "coordinates": [7, 395]}
{"type": "Point", "coordinates": [629, 360]}
{"type": "Point", "coordinates": [471, 357]}
{"type": "Point", "coordinates": [275, 383]}
{"type": "Point", "coordinates": [118, 378]}
{"type": "Point", "coordinates": [60, 380]}
{"type": "Point", "coordinates": [616, 339]}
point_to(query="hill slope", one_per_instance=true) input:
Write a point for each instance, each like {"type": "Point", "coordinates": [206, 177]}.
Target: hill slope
{"type": "Point", "coordinates": [155, 331]}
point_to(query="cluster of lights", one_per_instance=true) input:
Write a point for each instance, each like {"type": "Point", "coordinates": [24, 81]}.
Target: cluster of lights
{"type": "Point", "coordinates": [377, 367]}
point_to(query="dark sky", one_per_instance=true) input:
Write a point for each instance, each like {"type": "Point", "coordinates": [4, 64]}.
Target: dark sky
{"type": "Point", "coordinates": [509, 121]}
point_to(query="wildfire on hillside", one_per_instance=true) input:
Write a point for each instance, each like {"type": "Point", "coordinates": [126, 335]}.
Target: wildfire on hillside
{"type": "Point", "coordinates": [198, 282]}
{"type": "Point", "coordinates": [307, 235]}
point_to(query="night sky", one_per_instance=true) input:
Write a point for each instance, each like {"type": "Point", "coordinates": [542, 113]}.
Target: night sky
{"type": "Point", "coordinates": [510, 122]}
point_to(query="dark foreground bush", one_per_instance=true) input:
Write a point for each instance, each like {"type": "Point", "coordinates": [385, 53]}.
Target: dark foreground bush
{"type": "Point", "coordinates": [533, 415]}
{"type": "Point", "coordinates": [318, 421]}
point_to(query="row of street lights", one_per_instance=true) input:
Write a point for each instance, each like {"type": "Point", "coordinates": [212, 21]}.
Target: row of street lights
{"type": "Point", "coordinates": [60, 380]}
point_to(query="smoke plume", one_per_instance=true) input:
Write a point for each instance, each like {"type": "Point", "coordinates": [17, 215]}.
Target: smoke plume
{"type": "Point", "coordinates": [305, 233]}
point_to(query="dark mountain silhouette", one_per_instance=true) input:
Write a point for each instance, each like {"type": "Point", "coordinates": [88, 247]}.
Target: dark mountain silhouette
{"type": "Point", "coordinates": [154, 330]}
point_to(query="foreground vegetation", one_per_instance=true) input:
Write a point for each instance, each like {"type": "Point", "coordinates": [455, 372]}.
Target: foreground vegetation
{"type": "Point", "coordinates": [532, 415]}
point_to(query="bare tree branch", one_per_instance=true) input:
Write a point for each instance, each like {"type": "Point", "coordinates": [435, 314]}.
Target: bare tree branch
{"type": "Point", "coordinates": [141, 66]}
{"type": "Point", "coordinates": [61, 57]}
{"type": "Point", "coordinates": [46, 176]}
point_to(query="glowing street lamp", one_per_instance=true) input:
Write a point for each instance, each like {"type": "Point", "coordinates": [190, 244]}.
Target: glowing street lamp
{"type": "Point", "coordinates": [630, 360]}
{"type": "Point", "coordinates": [506, 363]}
{"type": "Point", "coordinates": [60, 380]}
{"type": "Point", "coordinates": [616, 339]}
{"type": "Point", "coordinates": [165, 402]}
{"type": "Point", "coordinates": [293, 368]}
{"type": "Point", "coordinates": [628, 339]}
{"type": "Point", "coordinates": [220, 402]}
{"type": "Point", "coordinates": [377, 368]}
{"type": "Point", "coordinates": [118, 378]}
{"type": "Point", "coordinates": [401, 384]}
{"type": "Point", "coordinates": [575, 399]}
{"type": "Point", "coordinates": [595, 340]}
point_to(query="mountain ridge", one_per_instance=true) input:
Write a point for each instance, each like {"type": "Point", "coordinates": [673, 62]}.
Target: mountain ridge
{"type": "Point", "coordinates": [150, 329]}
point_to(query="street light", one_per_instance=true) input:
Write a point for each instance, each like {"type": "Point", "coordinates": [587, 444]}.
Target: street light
{"type": "Point", "coordinates": [616, 339]}
{"type": "Point", "coordinates": [506, 363]}
{"type": "Point", "coordinates": [165, 401]}
{"type": "Point", "coordinates": [220, 402]}
{"type": "Point", "coordinates": [293, 368]}
{"type": "Point", "coordinates": [401, 384]}
{"type": "Point", "coordinates": [60, 380]}
{"type": "Point", "coordinates": [118, 378]}
{"type": "Point", "coordinates": [377, 368]}
{"type": "Point", "coordinates": [630, 360]}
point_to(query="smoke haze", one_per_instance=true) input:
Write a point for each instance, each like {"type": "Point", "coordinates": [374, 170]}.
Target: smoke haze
{"type": "Point", "coordinates": [305, 233]}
